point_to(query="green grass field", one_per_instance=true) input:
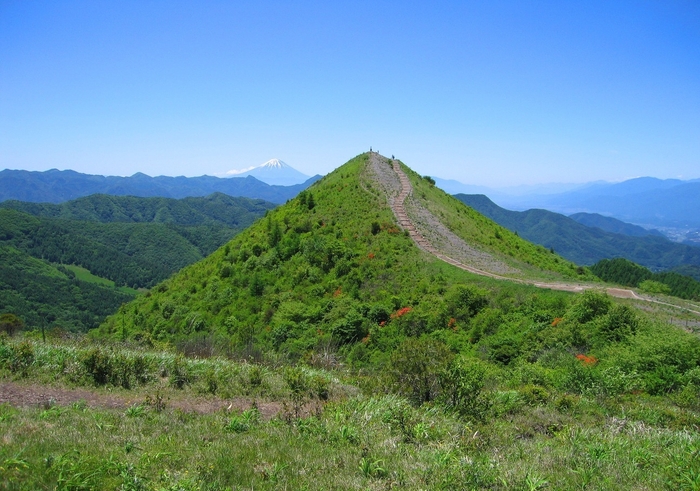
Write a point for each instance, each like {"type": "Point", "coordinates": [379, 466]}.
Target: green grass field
{"type": "Point", "coordinates": [529, 435]}
{"type": "Point", "coordinates": [84, 275]}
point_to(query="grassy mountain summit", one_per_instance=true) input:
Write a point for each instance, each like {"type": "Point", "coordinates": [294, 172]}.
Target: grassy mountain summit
{"type": "Point", "coordinates": [332, 265]}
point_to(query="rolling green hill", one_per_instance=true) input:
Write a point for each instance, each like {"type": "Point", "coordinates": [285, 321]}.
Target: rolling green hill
{"type": "Point", "coordinates": [329, 267]}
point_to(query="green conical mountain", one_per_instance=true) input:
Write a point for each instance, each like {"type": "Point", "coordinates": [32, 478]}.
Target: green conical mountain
{"type": "Point", "coordinates": [337, 265]}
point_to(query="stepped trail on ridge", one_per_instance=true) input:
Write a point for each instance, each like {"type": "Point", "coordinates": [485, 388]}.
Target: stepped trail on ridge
{"type": "Point", "coordinates": [432, 236]}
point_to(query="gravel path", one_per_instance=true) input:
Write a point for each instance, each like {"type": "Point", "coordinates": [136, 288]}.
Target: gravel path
{"type": "Point", "coordinates": [424, 228]}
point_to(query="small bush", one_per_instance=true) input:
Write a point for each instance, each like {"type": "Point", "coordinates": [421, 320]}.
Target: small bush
{"type": "Point", "coordinates": [416, 366]}
{"type": "Point", "coordinates": [179, 373]}
{"type": "Point", "coordinates": [462, 383]}
{"type": "Point", "coordinates": [19, 358]}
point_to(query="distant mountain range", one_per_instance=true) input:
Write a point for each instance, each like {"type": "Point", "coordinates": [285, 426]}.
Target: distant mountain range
{"type": "Point", "coordinates": [571, 238]}
{"type": "Point", "coordinates": [644, 201]}
{"type": "Point", "coordinates": [56, 186]}
{"type": "Point", "coordinates": [273, 172]}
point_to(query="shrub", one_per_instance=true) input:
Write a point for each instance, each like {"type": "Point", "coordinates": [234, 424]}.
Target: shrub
{"type": "Point", "coordinates": [534, 395]}
{"type": "Point", "coordinates": [97, 364]}
{"type": "Point", "coordinates": [18, 358]}
{"type": "Point", "coordinates": [179, 373]}
{"type": "Point", "coordinates": [351, 328]}
{"type": "Point", "coordinates": [461, 386]}
{"type": "Point", "coordinates": [416, 365]}
{"type": "Point", "coordinates": [299, 386]}
{"type": "Point", "coordinates": [464, 302]}
{"type": "Point", "coordinates": [590, 305]}
{"type": "Point", "coordinates": [619, 323]}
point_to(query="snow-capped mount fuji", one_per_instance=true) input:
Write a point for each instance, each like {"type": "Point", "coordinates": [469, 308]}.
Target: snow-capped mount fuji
{"type": "Point", "coordinates": [273, 172]}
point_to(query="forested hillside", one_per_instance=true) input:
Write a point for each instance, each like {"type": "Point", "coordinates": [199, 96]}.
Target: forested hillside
{"type": "Point", "coordinates": [133, 242]}
{"type": "Point", "coordinates": [624, 272]}
{"type": "Point", "coordinates": [43, 295]}
{"type": "Point", "coordinates": [217, 208]}
{"type": "Point", "coordinates": [613, 225]}
{"type": "Point", "coordinates": [582, 244]}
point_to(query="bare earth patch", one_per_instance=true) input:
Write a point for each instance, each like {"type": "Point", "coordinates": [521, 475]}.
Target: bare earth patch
{"type": "Point", "coordinates": [36, 395]}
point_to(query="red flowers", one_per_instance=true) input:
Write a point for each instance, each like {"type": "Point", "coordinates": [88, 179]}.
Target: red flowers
{"type": "Point", "coordinates": [401, 312]}
{"type": "Point", "coordinates": [587, 360]}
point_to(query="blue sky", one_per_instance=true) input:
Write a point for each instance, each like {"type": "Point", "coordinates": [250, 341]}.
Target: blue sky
{"type": "Point", "coordinates": [495, 93]}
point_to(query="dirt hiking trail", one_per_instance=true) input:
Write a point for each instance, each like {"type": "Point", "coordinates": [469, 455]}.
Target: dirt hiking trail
{"type": "Point", "coordinates": [400, 190]}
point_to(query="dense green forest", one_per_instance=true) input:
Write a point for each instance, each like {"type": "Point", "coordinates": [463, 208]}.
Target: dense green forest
{"type": "Point", "coordinates": [132, 242]}
{"type": "Point", "coordinates": [43, 295]}
{"type": "Point", "coordinates": [624, 272]}
{"type": "Point", "coordinates": [136, 242]}
{"type": "Point", "coordinates": [692, 271]}
{"type": "Point", "coordinates": [216, 208]}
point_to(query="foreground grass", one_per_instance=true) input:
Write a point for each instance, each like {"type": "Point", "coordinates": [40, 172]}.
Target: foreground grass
{"type": "Point", "coordinates": [364, 443]}
{"type": "Point", "coordinates": [526, 437]}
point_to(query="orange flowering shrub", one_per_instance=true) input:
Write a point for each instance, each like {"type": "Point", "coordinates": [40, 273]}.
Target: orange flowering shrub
{"type": "Point", "coordinates": [556, 321]}
{"type": "Point", "coordinates": [401, 312]}
{"type": "Point", "coordinates": [587, 360]}
{"type": "Point", "coordinates": [338, 292]}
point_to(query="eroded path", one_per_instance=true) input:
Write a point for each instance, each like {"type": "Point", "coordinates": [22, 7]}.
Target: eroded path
{"type": "Point", "coordinates": [398, 205]}
{"type": "Point", "coordinates": [38, 395]}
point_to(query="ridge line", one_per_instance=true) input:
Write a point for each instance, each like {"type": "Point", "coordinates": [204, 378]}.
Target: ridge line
{"type": "Point", "coordinates": [405, 222]}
